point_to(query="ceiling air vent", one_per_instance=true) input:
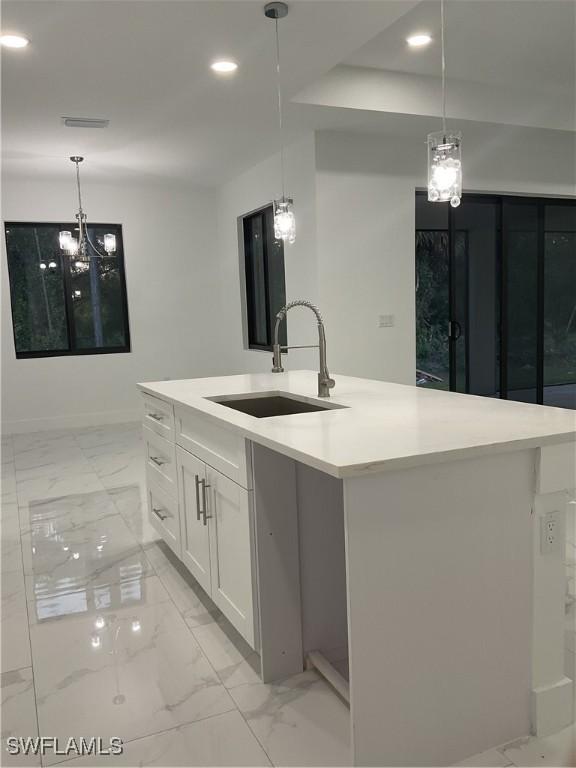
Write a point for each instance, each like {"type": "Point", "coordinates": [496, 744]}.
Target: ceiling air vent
{"type": "Point", "coordinates": [85, 122]}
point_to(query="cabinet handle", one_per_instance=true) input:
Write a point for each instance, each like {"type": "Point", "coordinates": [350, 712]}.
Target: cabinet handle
{"type": "Point", "coordinates": [204, 504]}
{"type": "Point", "coordinates": [156, 416]}
{"type": "Point", "coordinates": [198, 509]}
{"type": "Point", "coordinates": [158, 512]}
{"type": "Point", "coordinates": [158, 461]}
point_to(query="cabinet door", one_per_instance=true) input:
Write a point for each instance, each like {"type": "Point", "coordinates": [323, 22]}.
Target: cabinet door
{"type": "Point", "coordinates": [230, 513]}
{"type": "Point", "coordinates": [195, 544]}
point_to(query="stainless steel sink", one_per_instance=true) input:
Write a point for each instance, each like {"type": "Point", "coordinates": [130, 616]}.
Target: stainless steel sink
{"type": "Point", "coordinates": [265, 405]}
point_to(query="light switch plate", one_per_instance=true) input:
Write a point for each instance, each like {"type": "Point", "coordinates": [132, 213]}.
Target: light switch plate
{"type": "Point", "coordinates": [385, 321]}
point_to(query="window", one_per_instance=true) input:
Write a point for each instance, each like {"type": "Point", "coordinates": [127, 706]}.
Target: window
{"type": "Point", "coordinates": [61, 306]}
{"type": "Point", "coordinates": [264, 273]}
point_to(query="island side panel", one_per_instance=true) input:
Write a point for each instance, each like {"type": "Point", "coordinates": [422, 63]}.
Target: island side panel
{"type": "Point", "coordinates": [439, 570]}
{"type": "Point", "coordinates": [277, 563]}
{"type": "Point", "coordinates": [322, 563]}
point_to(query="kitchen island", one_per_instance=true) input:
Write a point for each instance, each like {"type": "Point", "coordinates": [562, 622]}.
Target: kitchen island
{"type": "Point", "coordinates": [411, 540]}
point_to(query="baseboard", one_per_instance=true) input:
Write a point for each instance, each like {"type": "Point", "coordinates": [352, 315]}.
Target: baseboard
{"type": "Point", "coordinates": [552, 707]}
{"type": "Point", "coordinates": [69, 422]}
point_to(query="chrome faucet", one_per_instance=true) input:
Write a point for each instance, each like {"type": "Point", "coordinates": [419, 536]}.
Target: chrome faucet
{"type": "Point", "coordinates": [325, 383]}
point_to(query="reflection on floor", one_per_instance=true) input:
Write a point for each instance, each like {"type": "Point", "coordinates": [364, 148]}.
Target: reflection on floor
{"type": "Point", "coordinates": [105, 634]}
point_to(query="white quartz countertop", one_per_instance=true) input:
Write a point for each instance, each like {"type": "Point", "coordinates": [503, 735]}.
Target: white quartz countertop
{"type": "Point", "coordinates": [384, 426]}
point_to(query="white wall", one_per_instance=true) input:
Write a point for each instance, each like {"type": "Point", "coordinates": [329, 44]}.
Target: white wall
{"type": "Point", "coordinates": [172, 280]}
{"type": "Point", "coordinates": [365, 228]}
{"type": "Point", "coordinates": [249, 191]}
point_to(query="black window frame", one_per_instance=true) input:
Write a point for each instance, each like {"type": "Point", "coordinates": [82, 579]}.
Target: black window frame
{"type": "Point", "coordinates": [274, 272]}
{"type": "Point", "coordinates": [72, 350]}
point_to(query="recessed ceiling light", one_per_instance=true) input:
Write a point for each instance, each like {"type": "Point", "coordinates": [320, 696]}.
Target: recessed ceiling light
{"type": "Point", "coordinates": [224, 67]}
{"type": "Point", "coordinates": [417, 41]}
{"type": "Point", "coordinates": [14, 41]}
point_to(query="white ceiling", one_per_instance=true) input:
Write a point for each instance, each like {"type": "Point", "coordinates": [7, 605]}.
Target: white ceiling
{"type": "Point", "coordinates": [513, 42]}
{"type": "Point", "coordinates": [144, 64]}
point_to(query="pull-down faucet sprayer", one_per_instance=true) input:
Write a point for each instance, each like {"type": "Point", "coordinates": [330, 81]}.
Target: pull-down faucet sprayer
{"type": "Point", "coordinates": [325, 383]}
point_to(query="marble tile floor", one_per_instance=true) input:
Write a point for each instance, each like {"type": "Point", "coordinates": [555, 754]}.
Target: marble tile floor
{"type": "Point", "coordinates": [104, 633]}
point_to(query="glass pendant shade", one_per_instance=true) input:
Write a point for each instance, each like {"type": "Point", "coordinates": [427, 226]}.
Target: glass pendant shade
{"type": "Point", "coordinates": [110, 243]}
{"type": "Point", "coordinates": [64, 238]}
{"type": "Point", "coordinates": [72, 247]}
{"type": "Point", "coordinates": [445, 167]}
{"type": "Point", "coordinates": [284, 221]}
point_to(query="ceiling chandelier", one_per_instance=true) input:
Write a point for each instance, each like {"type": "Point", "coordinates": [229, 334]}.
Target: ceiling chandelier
{"type": "Point", "coordinates": [444, 151]}
{"type": "Point", "coordinates": [82, 247]}
{"type": "Point", "coordinates": [284, 221]}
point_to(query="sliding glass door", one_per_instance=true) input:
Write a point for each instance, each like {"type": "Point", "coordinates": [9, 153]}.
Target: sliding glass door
{"type": "Point", "coordinates": [496, 297]}
{"type": "Point", "coordinates": [559, 305]}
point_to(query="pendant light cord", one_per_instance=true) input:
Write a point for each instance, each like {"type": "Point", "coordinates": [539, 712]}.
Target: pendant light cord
{"type": "Point", "coordinates": [443, 68]}
{"type": "Point", "coordinates": [280, 121]}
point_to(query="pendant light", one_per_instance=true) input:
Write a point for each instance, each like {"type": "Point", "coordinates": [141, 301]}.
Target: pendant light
{"type": "Point", "coordinates": [284, 221]}
{"type": "Point", "coordinates": [81, 247]}
{"type": "Point", "coordinates": [444, 150]}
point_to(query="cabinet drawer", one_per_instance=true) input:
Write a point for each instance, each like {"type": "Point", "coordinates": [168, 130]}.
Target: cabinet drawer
{"type": "Point", "coordinates": [160, 457]}
{"type": "Point", "coordinates": [219, 447]}
{"type": "Point", "coordinates": [163, 514]}
{"type": "Point", "coordinates": [159, 417]}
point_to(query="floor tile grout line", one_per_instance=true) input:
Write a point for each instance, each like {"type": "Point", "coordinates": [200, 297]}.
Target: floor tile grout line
{"type": "Point", "coordinates": [254, 733]}
{"type": "Point", "coordinates": [158, 733]}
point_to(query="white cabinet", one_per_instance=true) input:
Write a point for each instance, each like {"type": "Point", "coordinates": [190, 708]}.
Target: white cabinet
{"type": "Point", "coordinates": [231, 545]}
{"type": "Point", "coordinates": [194, 518]}
{"type": "Point", "coordinates": [199, 477]}
{"type": "Point", "coordinates": [216, 528]}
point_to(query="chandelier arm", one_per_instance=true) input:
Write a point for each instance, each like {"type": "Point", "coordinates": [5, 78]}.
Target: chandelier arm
{"type": "Point", "coordinates": [102, 255]}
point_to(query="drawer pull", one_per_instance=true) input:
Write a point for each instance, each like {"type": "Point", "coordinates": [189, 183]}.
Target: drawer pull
{"type": "Point", "coordinates": [158, 512]}
{"type": "Point", "coordinates": [198, 509]}
{"type": "Point", "coordinates": [156, 416]}
{"type": "Point", "coordinates": [204, 504]}
{"type": "Point", "coordinates": [158, 461]}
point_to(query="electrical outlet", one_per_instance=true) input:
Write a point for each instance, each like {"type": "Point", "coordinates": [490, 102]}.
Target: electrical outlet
{"type": "Point", "coordinates": [551, 533]}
